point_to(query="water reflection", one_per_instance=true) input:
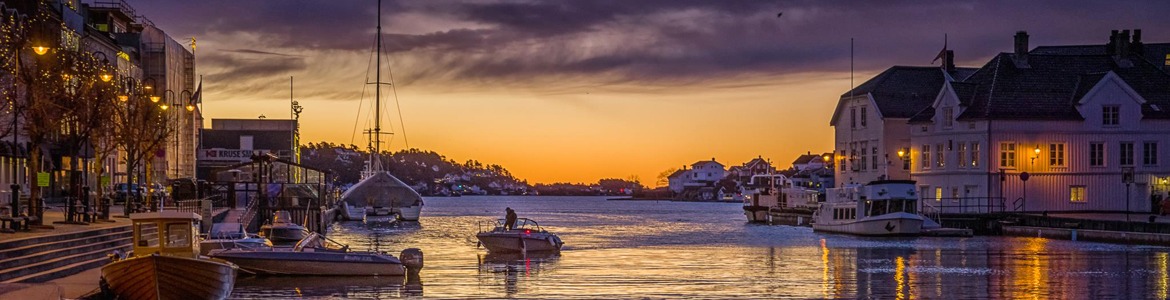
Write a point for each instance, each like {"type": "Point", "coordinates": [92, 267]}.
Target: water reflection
{"type": "Point", "coordinates": [628, 249]}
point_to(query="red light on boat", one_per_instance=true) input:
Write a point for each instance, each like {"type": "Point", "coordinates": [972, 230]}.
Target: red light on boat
{"type": "Point", "coordinates": [527, 231]}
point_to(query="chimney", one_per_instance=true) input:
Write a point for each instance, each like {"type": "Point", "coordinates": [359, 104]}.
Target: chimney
{"type": "Point", "coordinates": [1123, 43]}
{"type": "Point", "coordinates": [1121, 50]}
{"type": "Point", "coordinates": [949, 63]}
{"type": "Point", "coordinates": [1111, 47]}
{"type": "Point", "coordinates": [1021, 49]}
{"type": "Point", "coordinates": [1136, 46]}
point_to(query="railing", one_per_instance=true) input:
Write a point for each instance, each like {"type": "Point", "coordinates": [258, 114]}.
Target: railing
{"type": "Point", "coordinates": [195, 206]}
{"type": "Point", "coordinates": [963, 205]}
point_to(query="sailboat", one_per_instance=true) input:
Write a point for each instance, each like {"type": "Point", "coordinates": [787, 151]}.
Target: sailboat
{"type": "Point", "coordinates": [380, 196]}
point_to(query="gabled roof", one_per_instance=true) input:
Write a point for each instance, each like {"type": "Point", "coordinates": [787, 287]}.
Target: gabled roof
{"type": "Point", "coordinates": [679, 172]}
{"type": "Point", "coordinates": [1053, 83]}
{"type": "Point", "coordinates": [706, 162]}
{"type": "Point", "coordinates": [902, 91]}
{"type": "Point", "coordinates": [756, 162]}
{"type": "Point", "coordinates": [805, 158]}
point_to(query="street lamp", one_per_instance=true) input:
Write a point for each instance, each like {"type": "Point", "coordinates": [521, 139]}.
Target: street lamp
{"type": "Point", "coordinates": [40, 50]}
{"type": "Point", "coordinates": [105, 73]}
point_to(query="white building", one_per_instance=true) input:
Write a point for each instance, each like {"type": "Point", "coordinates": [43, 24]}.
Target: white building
{"type": "Point", "coordinates": [870, 121]}
{"type": "Point", "coordinates": [707, 171]}
{"type": "Point", "coordinates": [1074, 118]}
{"type": "Point", "coordinates": [678, 180]}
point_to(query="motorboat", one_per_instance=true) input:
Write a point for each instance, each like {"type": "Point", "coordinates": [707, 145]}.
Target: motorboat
{"type": "Point", "coordinates": [231, 235]}
{"type": "Point", "coordinates": [757, 203]}
{"type": "Point", "coordinates": [315, 255]}
{"type": "Point", "coordinates": [282, 230]}
{"type": "Point", "coordinates": [525, 236]}
{"type": "Point", "coordinates": [165, 262]}
{"type": "Point", "coordinates": [879, 208]}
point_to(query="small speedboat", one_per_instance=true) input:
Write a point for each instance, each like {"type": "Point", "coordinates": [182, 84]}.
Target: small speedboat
{"type": "Point", "coordinates": [165, 262]}
{"type": "Point", "coordinates": [282, 230]}
{"type": "Point", "coordinates": [228, 236]}
{"type": "Point", "coordinates": [525, 236]}
{"type": "Point", "coordinates": [316, 255]}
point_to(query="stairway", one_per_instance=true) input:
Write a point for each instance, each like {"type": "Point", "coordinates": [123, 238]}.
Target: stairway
{"type": "Point", "coordinates": [44, 258]}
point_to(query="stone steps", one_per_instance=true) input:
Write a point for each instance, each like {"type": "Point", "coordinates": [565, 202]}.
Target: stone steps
{"type": "Point", "coordinates": [49, 257]}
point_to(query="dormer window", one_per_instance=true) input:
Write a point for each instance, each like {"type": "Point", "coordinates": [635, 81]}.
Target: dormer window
{"type": "Point", "coordinates": [1110, 115]}
{"type": "Point", "coordinates": [948, 117]}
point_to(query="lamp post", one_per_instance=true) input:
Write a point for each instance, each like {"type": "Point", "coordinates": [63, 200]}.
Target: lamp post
{"type": "Point", "coordinates": [1127, 178]}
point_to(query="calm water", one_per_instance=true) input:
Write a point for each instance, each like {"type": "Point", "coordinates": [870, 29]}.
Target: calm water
{"type": "Point", "coordinates": [636, 249]}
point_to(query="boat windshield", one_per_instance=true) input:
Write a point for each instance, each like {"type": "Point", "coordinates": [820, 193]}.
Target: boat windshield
{"type": "Point", "coordinates": [521, 223]}
{"type": "Point", "coordinates": [881, 207]}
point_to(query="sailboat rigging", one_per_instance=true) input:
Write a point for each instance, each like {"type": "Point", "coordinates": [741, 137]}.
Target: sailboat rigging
{"type": "Point", "coordinates": [380, 196]}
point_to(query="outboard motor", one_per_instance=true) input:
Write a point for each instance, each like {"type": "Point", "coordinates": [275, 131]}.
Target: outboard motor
{"type": "Point", "coordinates": [412, 259]}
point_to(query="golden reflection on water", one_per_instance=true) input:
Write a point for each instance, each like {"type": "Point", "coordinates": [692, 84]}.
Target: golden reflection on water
{"type": "Point", "coordinates": [899, 273]}
{"type": "Point", "coordinates": [1032, 278]}
{"type": "Point", "coordinates": [1163, 279]}
{"type": "Point", "coordinates": [825, 265]}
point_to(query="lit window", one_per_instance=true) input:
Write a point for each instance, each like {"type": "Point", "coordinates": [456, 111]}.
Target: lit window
{"type": "Point", "coordinates": [1056, 155]}
{"type": "Point", "coordinates": [974, 154]}
{"type": "Point", "coordinates": [938, 194]}
{"type": "Point", "coordinates": [1110, 115]}
{"type": "Point", "coordinates": [1077, 194]}
{"type": "Point", "coordinates": [962, 155]}
{"type": "Point", "coordinates": [1007, 155]}
{"type": "Point", "coordinates": [939, 158]}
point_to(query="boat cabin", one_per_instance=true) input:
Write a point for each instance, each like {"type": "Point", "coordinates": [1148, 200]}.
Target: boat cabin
{"type": "Point", "coordinates": [873, 199]}
{"type": "Point", "coordinates": [168, 233]}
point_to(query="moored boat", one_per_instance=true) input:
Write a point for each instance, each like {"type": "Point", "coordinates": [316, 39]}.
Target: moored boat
{"type": "Point", "coordinates": [283, 230]}
{"type": "Point", "coordinates": [165, 262]}
{"type": "Point", "coordinates": [313, 256]}
{"type": "Point", "coordinates": [879, 208]}
{"type": "Point", "coordinates": [525, 236]}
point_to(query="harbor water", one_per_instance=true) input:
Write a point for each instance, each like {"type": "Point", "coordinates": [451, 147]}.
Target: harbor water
{"type": "Point", "coordinates": [662, 249]}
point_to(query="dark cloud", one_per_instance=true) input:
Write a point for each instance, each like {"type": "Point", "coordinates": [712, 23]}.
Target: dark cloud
{"type": "Point", "coordinates": [649, 41]}
{"type": "Point", "coordinates": [253, 51]}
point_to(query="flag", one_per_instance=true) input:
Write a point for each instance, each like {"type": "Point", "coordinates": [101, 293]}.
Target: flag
{"type": "Point", "coordinates": [941, 54]}
{"type": "Point", "coordinates": [197, 97]}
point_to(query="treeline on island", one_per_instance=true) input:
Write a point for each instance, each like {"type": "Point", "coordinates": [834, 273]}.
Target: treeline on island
{"type": "Point", "coordinates": [433, 174]}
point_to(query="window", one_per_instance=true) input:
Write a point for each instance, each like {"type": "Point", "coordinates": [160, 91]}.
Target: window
{"type": "Point", "coordinates": [841, 165]}
{"type": "Point", "coordinates": [938, 194]}
{"type": "Point", "coordinates": [1077, 194]}
{"type": "Point", "coordinates": [874, 159]}
{"type": "Point", "coordinates": [863, 116]}
{"type": "Point", "coordinates": [939, 158]}
{"type": "Point", "coordinates": [1150, 153]}
{"type": "Point", "coordinates": [864, 158]}
{"type": "Point", "coordinates": [1096, 154]}
{"type": "Point", "coordinates": [178, 235]}
{"type": "Point", "coordinates": [147, 234]}
{"type": "Point", "coordinates": [1056, 155]}
{"type": "Point", "coordinates": [974, 154]}
{"type": "Point", "coordinates": [948, 117]}
{"type": "Point", "coordinates": [926, 156]}
{"type": "Point", "coordinates": [1110, 115]}
{"type": "Point", "coordinates": [962, 161]}
{"type": "Point", "coordinates": [852, 117]}
{"type": "Point", "coordinates": [1126, 153]}
{"type": "Point", "coordinates": [1007, 155]}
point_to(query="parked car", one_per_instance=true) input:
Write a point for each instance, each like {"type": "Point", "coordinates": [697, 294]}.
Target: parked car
{"type": "Point", "coordinates": [123, 191]}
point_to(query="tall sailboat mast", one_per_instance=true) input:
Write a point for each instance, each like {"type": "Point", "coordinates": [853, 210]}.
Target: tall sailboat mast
{"type": "Point", "coordinates": [378, 85]}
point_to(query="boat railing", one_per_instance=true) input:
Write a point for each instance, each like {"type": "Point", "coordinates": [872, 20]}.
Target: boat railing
{"type": "Point", "coordinates": [498, 225]}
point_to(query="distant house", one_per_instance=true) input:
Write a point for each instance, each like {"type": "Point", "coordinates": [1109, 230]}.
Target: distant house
{"type": "Point", "coordinates": [756, 166]}
{"type": "Point", "coordinates": [809, 161]}
{"type": "Point", "coordinates": [870, 121]}
{"type": "Point", "coordinates": [1079, 120]}
{"type": "Point", "coordinates": [707, 171]}
{"type": "Point", "coordinates": [679, 179]}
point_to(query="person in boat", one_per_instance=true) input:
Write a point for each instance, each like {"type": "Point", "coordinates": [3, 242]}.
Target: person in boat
{"type": "Point", "coordinates": [509, 218]}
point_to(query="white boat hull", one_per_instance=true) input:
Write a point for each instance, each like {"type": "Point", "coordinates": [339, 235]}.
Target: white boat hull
{"type": "Point", "coordinates": [895, 224]}
{"type": "Point", "coordinates": [270, 262]}
{"type": "Point", "coordinates": [517, 241]}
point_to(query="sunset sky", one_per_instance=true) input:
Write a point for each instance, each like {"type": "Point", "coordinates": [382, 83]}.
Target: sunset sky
{"type": "Point", "coordinates": [575, 91]}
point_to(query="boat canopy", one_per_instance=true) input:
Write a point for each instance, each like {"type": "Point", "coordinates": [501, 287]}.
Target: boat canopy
{"type": "Point", "coordinates": [381, 189]}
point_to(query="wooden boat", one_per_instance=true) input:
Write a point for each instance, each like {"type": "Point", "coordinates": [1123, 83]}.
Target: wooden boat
{"type": "Point", "coordinates": [165, 262]}
{"type": "Point", "coordinates": [526, 236]}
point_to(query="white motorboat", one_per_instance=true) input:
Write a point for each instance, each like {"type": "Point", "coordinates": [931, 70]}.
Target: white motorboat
{"type": "Point", "coordinates": [282, 230]}
{"type": "Point", "coordinates": [525, 236]}
{"type": "Point", "coordinates": [229, 236]}
{"type": "Point", "coordinates": [879, 208]}
{"type": "Point", "coordinates": [318, 256]}
{"type": "Point", "coordinates": [165, 262]}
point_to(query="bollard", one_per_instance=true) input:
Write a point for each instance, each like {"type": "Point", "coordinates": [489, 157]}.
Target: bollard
{"type": "Point", "coordinates": [85, 202]}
